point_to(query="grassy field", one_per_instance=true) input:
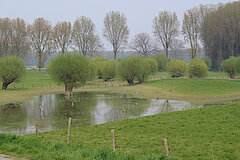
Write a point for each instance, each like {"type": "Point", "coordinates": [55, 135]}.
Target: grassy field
{"type": "Point", "coordinates": [202, 133]}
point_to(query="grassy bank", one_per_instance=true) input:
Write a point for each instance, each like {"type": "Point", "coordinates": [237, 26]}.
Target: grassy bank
{"type": "Point", "coordinates": [203, 133]}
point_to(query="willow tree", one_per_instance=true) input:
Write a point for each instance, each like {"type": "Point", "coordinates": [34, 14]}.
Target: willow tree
{"type": "Point", "coordinates": [40, 34]}
{"type": "Point", "coordinates": [70, 69]}
{"type": "Point", "coordinates": [166, 28]}
{"type": "Point", "coordinates": [11, 69]}
{"type": "Point", "coordinates": [116, 30]}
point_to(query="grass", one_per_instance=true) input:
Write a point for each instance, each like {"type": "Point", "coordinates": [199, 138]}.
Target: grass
{"type": "Point", "coordinates": [202, 133]}
{"type": "Point", "coordinates": [198, 86]}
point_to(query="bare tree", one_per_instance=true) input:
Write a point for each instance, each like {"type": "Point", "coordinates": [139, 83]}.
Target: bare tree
{"type": "Point", "coordinates": [5, 35]}
{"type": "Point", "coordinates": [62, 34]}
{"type": "Point", "coordinates": [166, 28]}
{"type": "Point", "coordinates": [85, 37]}
{"type": "Point", "coordinates": [116, 30]}
{"type": "Point", "coordinates": [191, 30]}
{"type": "Point", "coordinates": [19, 39]}
{"type": "Point", "coordinates": [41, 39]}
{"type": "Point", "coordinates": [143, 44]}
{"type": "Point", "coordinates": [177, 49]}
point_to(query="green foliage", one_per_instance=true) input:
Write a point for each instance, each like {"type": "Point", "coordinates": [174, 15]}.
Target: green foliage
{"type": "Point", "coordinates": [153, 65]}
{"type": "Point", "coordinates": [208, 62]}
{"type": "Point", "coordinates": [162, 62]}
{"type": "Point", "coordinates": [109, 70]}
{"type": "Point", "coordinates": [70, 69]}
{"type": "Point", "coordinates": [11, 69]}
{"type": "Point", "coordinates": [134, 68]}
{"type": "Point", "coordinates": [177, 68]}
{"type": "Point", "coordinates": [98, 63]}
{"type": "Point", "coordinates": [197, 68]}
{"type": "Point", "coordinates": [230, 66]}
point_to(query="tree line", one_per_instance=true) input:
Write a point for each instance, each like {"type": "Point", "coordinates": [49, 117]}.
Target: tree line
{"type": "Point", "coordinates": [215, 27]}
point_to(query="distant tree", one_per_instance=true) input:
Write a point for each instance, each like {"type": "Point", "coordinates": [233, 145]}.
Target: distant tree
{"type": "Point", "coordinates": [134, 68]}
{"type": "Point", "coordinates": [191, 30]}
{"type": "Point", "coordinates": [116, 30]}
{"type": "Point", "coordinates": [5, 35]}
{"type": "Point", "coordinates": [109, 70]}
{"type": "Point", "coordinates": [70, 69]}
{"type": "Point", "coordinates": [98, 63]}
{"type": "Point", "coordinates": [62, 35]}
{"type": "Point", "coordinates": [161, 61]}
{"type": "Point", "coordinates": [230, 66]}
{"type": "Point", "coordinates": [41, 41]}
{"type": "Point", "coordinates": [177, 68]}
{"type": "Point", "coordinates": [13, 37]}
{"type": "Point", "coordinates": [208, 62]}
{"type": "Point", "coordinates": [85, 37]}
{"type": "Point", "coordinates": [166, 28]}
{"type": "Point", "coordinates": [177, 49]}
{"type": "Point", "coordinates": [143, 44]}
{"type": "Point", "coordinates": [11, 69]}
{"type": "Point", "coordinates": [197, 68]}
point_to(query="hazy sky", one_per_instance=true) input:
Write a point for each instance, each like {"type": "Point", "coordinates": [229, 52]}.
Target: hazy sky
{"type": "Point", "coordinates": [140, 13]}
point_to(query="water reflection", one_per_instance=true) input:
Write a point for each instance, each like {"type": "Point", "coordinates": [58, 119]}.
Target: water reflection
{"type": "Point", "coordinates": [51, 112]}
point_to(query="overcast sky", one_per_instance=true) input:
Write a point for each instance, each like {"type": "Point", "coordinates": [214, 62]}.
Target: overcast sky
{"type": "Point", "coordinates": [140, 13]}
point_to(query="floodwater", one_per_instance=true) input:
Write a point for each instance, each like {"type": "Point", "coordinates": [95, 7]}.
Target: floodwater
{"type": "Point", "coordinates": [51, 111]}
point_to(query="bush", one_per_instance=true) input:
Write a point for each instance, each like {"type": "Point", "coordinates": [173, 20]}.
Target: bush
{"type": "Point", "coordinates": [197, 68]}
{"type": "Point", "coordinates": [153, 65]}
{"type": "Point", "coordinates": [177, 68]}
{"type": "Point", "coordinates": [70, 69]}
{"type": "Point", "coordinates": [208, 62]}
{"type": "Point", "coordinates": [98, 63]}
{"type": "Point", "coordinates": [134, 68]}
{"type": "Point", "coordinates": [161, 61]}
{"type": "Point", "coordinates": [230, 66]}
{"type": "Point", "coordinates": [11, 69]}
{"type": "Point", "coordinates": [109, 70]}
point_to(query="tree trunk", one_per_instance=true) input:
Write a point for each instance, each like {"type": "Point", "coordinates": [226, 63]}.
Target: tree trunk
{"type": "Point", "coordinates": [5, 85]}
{"type": "Point", "coordinates": [68, 91]}
{"type": "Point", "coordinates": [130, 82]}
{"type": "Point", "coordinates": [115, 54]}
{"type": "Point", "coordinates": [166, 50]}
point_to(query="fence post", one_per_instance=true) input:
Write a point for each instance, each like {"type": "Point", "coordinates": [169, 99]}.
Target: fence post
{"type": "Point", "coordinates": [36, 130]}
{"type": "Point", "coordinates": [113, 140]}
{"type": "Point", "coordinates": [69, 127]}
{"type": "Point", "coordinates": [165, 143]}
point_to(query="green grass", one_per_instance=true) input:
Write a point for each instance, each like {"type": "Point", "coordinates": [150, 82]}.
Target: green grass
{"type": "Point", "coordinates": [197, 86]}
{"type": "Point", "coordinates": [202, 133]}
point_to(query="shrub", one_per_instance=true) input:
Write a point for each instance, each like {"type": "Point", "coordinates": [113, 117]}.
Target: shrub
{"type": "Point", "coordinates": [153, 65]}
{"type": "Point", "coordinates": [230, 66]}
{"type": "Point", "coordinates": [98, 63]}
{"type": "Point", "coordinates": [197, 68]}
{"type": "Point", "coordinates": [161, 61]}
{"type": "Point", "coordinates": [177, 68]}
{"type": "Point", "coordinates": [208, 62]}
{"type": "Point", "coordinates": [109, 70]}
{"type": "Point", "coordinates": [134, 68]}
{"type": "Point", "coordinates": [11, 69]}
{"type": "Point", "coordinates": [70, 69]}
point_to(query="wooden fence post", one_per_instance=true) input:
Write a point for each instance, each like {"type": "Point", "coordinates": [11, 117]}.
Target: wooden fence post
{"type": "Point", "coordinates": [113, 140]}
{"type": "Point", "coordinates": [164, 141]}
{"type": "Point", "coordinates": [36, 130]}
{"type": "Point", "coordinates": [69, 127]}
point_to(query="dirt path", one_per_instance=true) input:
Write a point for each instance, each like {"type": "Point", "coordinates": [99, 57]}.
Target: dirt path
{"type": "Point", "coordinates": [6, 157]}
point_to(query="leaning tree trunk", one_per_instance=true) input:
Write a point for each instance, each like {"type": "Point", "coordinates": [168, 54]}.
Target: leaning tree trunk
{"type": "Point", "coordinates": [68, 90]}
{"type": "Point", "coordinates": [5, 84]}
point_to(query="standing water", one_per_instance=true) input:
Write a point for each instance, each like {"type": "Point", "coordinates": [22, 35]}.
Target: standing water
{"type": "Point", "coordinates": [51, 111]}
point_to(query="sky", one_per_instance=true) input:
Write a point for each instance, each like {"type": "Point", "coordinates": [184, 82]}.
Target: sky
{"type": "Point", "coordinates": [139, 13]}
